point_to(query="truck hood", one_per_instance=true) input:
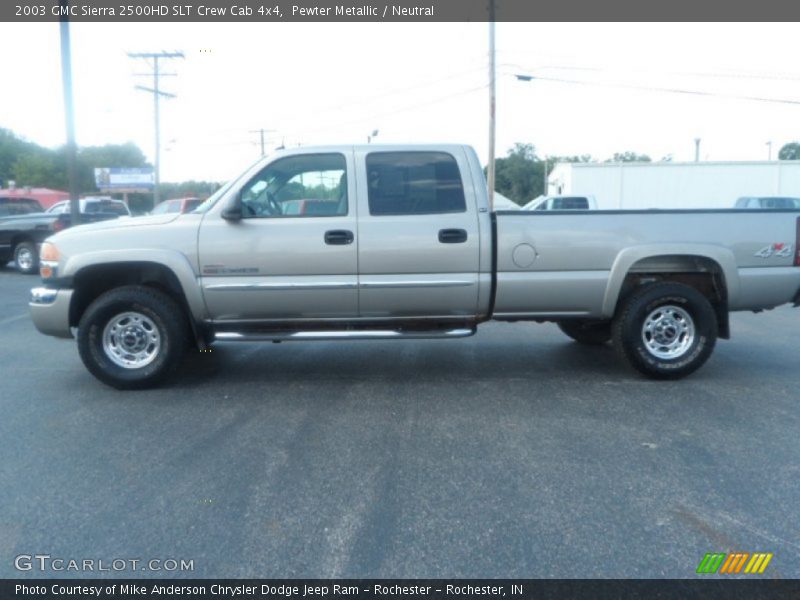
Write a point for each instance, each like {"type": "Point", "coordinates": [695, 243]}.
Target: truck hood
{"type": "Point", "coordinates": [119, 223]}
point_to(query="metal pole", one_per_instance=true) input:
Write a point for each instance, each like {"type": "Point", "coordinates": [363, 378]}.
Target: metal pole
{"type": "Point", "coordinates": [262, 142]}
{"type": "Point", "coordinates": [69, 115]}
{"type": "Point", "coordinates": [769, 150]}
{"type": "Point", "coordinates": [492, 99]}
{"type": "Point", "coordinates": [157, 175]}
{"type": "Point", "coordinates": [156, 74]}
{"type": "Point", "coordinates": [544, 190]}
{"type": "Point", "coordinates": [696, 149]}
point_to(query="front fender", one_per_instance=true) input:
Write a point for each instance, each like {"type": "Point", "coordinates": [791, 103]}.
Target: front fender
{"type": "Point", "coordinates": [176, 262]}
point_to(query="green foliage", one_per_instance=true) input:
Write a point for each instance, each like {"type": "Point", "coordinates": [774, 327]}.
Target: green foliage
{"type": "Point", "coordinates": [790, 151]}
{"type": "Point", "coordinates": [39, 169]}
{"type": "Point", "coordinates": [12, 150]}
{"type": "Point", "coordinates": [29, 164]}
{"type": "Point", "coordinates": [520, 175]}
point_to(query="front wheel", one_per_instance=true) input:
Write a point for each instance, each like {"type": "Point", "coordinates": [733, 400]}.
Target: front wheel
{"type": "Point", "coordinates": [665, 330]}
{"type": "Point", "coordinates": [132, 337]}
{"type": "Point", "coordinates": [26, 258]}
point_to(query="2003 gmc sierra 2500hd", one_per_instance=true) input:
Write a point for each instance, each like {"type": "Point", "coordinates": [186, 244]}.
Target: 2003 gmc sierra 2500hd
{"type": "Point", "coordinates": [399, 242]}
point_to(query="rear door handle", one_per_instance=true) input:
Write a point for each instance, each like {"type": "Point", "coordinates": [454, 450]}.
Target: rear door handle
{"type": "Point", "coordinates": [452, 236]}
{"type": "Point", "coordinates": [339, 237]}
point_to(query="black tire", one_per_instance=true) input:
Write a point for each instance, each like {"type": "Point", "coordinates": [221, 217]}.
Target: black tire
{"type": "Point", "coordinates": [160, 334]}
{"type": "Point", "coordinates": [594, 333]}
{"type": "Point", "coordinates": [26, 258]}
{"type": "Point", "coordinates": [687, 334]}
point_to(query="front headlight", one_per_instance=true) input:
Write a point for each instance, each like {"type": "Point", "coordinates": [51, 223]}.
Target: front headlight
{"type": "Point", "coordinates": [48, 260]}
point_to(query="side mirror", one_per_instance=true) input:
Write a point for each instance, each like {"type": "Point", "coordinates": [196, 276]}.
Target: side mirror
{"type": "Point", "coordinates": [233, 212]}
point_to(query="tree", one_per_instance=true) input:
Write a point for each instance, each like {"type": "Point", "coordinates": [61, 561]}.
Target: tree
{"type": "Point", "coordinates": [13, 149]}
{"type": "Point", "coordinates": [629, 157]}
{"type": "Point", "coordinates": [519, 176]}
{"type": "Point", "coordinates": [39, 169]}
{"type": "Point", "coordinates": [790, 151]}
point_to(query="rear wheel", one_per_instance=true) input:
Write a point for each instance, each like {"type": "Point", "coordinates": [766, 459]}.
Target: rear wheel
{"type": "Point", "coordinates": [26, 258]}
{"type": "Point", "coordinates": [132, 337]}
{"type": "Point", "coordinates": [587, 332]}
{"type": "Point", "coordinates": [665, 330]}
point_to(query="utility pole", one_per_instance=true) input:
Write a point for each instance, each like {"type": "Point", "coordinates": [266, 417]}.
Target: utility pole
{"type": "Point", "coordinates": [492, 96]}
{"type": "Point", "coordinates": [69, 113]}
{"type": "Point", "coordinates": [544, 189]}
{"type": "Point", "coordinates": [261, 133]}
{"type": "Point", "coordinates": [157, 93]}
{"type": "Point", "coordinates": [696, 149]}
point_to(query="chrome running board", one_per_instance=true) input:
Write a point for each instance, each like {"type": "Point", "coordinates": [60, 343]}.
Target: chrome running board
{"type": "Point", "coordinates": [317, 335]}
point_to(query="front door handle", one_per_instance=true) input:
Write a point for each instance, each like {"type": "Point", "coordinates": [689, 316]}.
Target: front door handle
{"type": "Point", "coordinates": [339, 237]}
{"type": "Point", "coordinates": [452, 236]}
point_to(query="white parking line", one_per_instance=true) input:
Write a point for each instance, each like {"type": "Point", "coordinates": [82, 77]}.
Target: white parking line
{"type": "Point", "coordinates": [12, 319]}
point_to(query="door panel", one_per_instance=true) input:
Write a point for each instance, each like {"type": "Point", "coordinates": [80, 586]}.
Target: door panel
{"type": "Point", "coordinates": [278, 261]}
{"type": "Point", "coordinates": [416, 265]}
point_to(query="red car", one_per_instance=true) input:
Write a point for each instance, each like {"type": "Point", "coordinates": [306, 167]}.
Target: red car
{"type": "Point", "coordinates": [176, 205]}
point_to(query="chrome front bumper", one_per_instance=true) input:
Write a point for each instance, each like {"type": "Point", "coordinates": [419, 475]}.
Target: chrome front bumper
{"type": "Point", "coordinates": [50, 311]}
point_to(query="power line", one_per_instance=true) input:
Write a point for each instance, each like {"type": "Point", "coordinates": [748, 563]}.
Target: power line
{"type": "Point", "coordinates": [156, 74]}
{"type": "Point", "coordinates": [527, 77]}
{"type": "Point", "coordinates": [724, 74]}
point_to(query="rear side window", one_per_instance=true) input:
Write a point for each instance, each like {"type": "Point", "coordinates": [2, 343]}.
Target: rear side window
{"type": "Point", "coordinates": [18, 206]}
{"type": "Point", "coordinates": [414, 183]}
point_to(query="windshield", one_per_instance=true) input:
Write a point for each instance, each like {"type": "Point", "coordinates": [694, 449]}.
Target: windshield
{"type": "Point", "coordinates": [212, 199]}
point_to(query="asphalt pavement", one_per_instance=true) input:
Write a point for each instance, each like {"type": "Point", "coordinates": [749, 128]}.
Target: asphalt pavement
{"type": "Point", "coordinates": [514, 453]}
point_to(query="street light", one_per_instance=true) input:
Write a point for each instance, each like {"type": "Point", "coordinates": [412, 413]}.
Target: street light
{"type": "Point", "coordinates": [374, 134]}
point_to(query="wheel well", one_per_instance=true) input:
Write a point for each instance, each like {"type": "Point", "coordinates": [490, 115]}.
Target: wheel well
{"type": "Point", "coordinates": [702, 273]}
{"type": "Point", "coordinates": [18, 239]}
{"type": "Point", "coordinates": [91, 282]}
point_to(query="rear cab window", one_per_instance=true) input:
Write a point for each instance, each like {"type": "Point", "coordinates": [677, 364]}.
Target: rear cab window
{"type": "Point", "coordinates": [18, 206]}
{"type": "Point", "coordinates": [414, 183]}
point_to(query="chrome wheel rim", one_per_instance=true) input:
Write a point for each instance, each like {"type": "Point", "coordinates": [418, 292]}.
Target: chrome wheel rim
{"type": "Point", "coordinates": [25, 258]}
{"type": "Point", "coordinates": [131, 340]}
{"type": "Point", "coordinates": [668, 332]}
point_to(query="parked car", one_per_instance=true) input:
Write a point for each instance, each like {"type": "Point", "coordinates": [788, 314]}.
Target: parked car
{"type": "Point", "coordinates": [291, 208]}
{"type": "Point", "coordinates": [22, 234]}
{"type": "Point", "coordinates": [768, 202]}
{"type": "Point", "coordinates": [13, 205]}
{"type": "Point", "coordinates": [176, 205]}
{"type": "Point", "coordinates": [94, 204]}
{"type": "Point", "coordinates": [562, 203]}
{"type": "Point", "coordinates": [411, 251]}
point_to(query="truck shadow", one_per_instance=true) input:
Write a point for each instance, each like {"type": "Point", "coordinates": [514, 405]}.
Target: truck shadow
{"type": "Point", "coordinates": [400, 362]}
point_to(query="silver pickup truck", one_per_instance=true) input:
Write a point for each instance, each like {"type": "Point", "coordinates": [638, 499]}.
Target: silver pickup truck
{"type": "Point", "coordinates": [366, 242]}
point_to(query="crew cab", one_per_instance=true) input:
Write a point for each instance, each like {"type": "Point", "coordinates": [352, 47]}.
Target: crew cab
{"type": "Point", "coordinates": [406, 247]}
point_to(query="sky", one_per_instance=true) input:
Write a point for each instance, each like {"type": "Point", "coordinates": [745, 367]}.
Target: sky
{"type": "Point", "coordinates": [332, 83]}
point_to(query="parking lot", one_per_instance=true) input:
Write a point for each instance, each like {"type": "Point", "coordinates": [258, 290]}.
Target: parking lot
{"type": "Point", "coordinates": [514, 453]}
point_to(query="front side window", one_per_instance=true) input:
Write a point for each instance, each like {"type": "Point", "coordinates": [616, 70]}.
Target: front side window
{"type": "Point", "coordinates": [414, 183]}
{"type": "Point", "coordinates": [307, 185]}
